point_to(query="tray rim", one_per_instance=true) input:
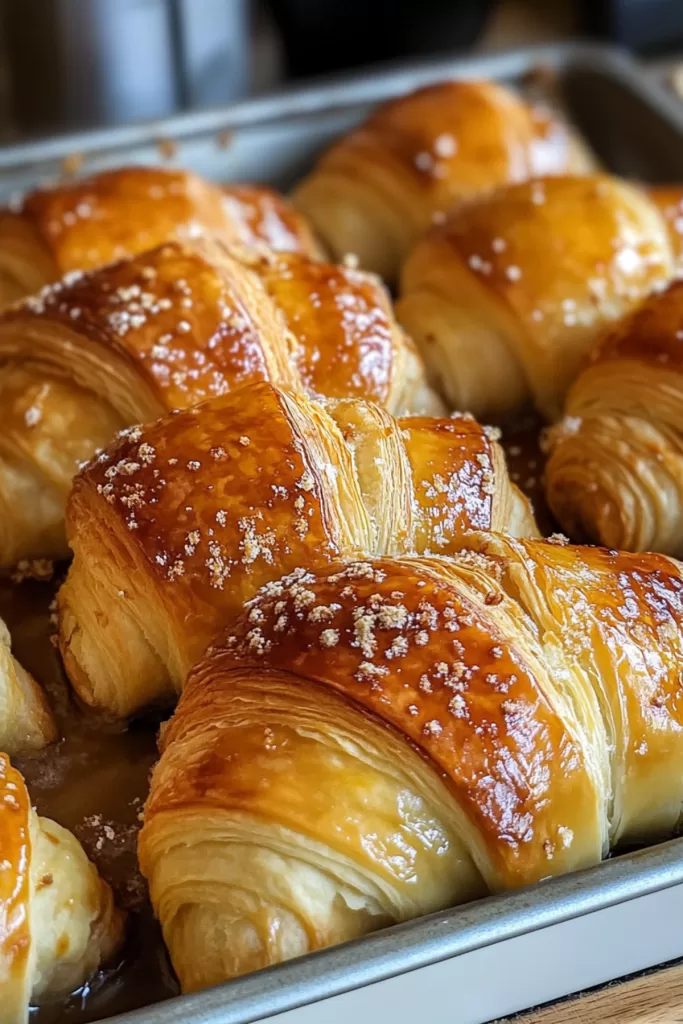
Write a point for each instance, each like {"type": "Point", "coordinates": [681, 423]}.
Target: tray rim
{"type": "Point", "coordinates": [339, 92]}
{"type": "Point", "coordinates": [409, 946]}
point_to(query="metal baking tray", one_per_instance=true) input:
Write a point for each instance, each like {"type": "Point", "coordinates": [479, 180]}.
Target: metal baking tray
{"type": "Point", "coordinates": [470, 964]}
{"type": "Point", "coordinates": [495, 956]}
{"type": "Point", "coordinates": [634, 125]}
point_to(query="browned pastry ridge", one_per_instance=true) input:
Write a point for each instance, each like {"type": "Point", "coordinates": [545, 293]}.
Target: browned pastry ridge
{"type": "Point", "coordinates": [506, 297]}
{"type": "Point", "coordinates": [375, 191]}
{"type": "Point", "coordinates": [85, 224]}
{"type": "Point", "coordinates": [266, 220]}
{"type": "Point", "coordinates": [477, 713]}
{"type": "Point", "coordinates": [88, 223]}
{"type": "Point", "coordinates": [168, 329]}
{"type": "Point", "coordinates": [177, 524]}
{"type": "Point", "coordinates": [615, 466]}
{"type": "Point", "coordinates": [349, 344]}
{"type": "Point", "coordinates": [58, 922]}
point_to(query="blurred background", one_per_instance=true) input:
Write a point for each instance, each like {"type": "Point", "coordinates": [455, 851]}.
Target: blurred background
{"type": "Point", "coordinates": [68, 64]}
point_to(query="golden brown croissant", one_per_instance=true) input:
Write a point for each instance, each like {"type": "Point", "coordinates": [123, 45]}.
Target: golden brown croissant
{"type": "Point", "coordinates": [376, 190]}
{"type": "Point", "coordinates": [85, 224]}
{"type": "Point", "coordinates": [26, 721]}
{"type": "Point", "coordinates": [477, 714]}
{"type": "Point", "coordinates": [58, 921]}
{"type": "Point", "coordinates": [167, 329]}
{"type": "Point", "coordinates": [266, 220]}
{"type": "Point", "coordinates": [615, 467]}
{"type": "Point", "coordinates": [177, 524]}
{"type": "Point", "coordinates": [97, 352]}
{"type": "Point", "coordinates": [507, 296]}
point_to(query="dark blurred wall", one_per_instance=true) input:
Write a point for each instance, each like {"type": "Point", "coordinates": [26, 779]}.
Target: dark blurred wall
{"type": "Point", "coordinates": [333, 34]}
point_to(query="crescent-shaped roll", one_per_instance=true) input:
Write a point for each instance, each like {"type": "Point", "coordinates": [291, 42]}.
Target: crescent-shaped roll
{"type": "Point", "coordinates": [168, 329]}
{"type": "Point", "coordinates": [58, 922]}
{"type": "Point", "coordinates": [26, 722]}
{"type": "Point", "coordinates": [365, 745]}
{"type": "Point", "coordinates": [97, 352]}
{"type": "Point", "coordinates": [506, 297]}
{"type": "Point", "coordinates": [350, 345]}
{"type": "Point", "coordinates": [615, 465]}
{"type": "Point", "coordinates": [266, 221]}
{"type": "Point", "coordinates": [375, 191]}
{"type": "Point", "coordinates": [179, 523]}
{"type": "Point", "coordinates": [491, 720]}
{"type": "Point", "coordinates": [85, 224]}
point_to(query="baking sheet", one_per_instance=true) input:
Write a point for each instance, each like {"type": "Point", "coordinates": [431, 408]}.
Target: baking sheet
{"type": "Point", "coordinates": [471, 963]}
{"type": "Point", "coordinates": [635, 125]}
{"type": "Point", "coordinates": [637, 131]}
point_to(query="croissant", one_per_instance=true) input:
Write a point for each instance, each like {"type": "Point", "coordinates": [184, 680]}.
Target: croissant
{"type": "Point", "coordinates": [85, 224]}
{"type": "Point", "coordinates": [508, 295]}
{"type": "Point", "coordinates": [167, 329]}
{"type": "Point", "coordinates": [58, 921]}
{"type": "Point", "coordinates": [615, 464]}
{"type": "Point", "coordinates": [97, 352]}
{"type": "Point", "coordinates": [375, 191]}
{"type": "Point", "coordinates": [177, 524]}
{"type": "Point", "coordinates": [266, 221]}
{"type": "Point", "coordinates": [476, 713]}
{"type": "Point", "coordinates": [26, 721]}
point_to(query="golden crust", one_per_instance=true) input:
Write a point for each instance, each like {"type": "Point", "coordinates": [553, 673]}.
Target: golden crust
{"type": "Point", "coordinates": [168, 329]}
{"type": "Point", "coordinates": [123, 344]}
{"type": "Point", "coordinates": [193, 323]}
{"type": "Point", "coordinates": [453, 464]}
{"type": "Point", "coordinates": [217, 498]}
{"type": "Point", "coordinates": [196, 322]}
{"type": "Point", "coordinates": [264, 217]}
{"type": "Point", "coordinates": [246, 806]}
{"type": "Point", "coordinates": [419, 685]}
{"type": "Point", "coordinates": [350, 345]}
{"type": "Point", "coordinates": [431, 657]}
{"type": "Point", "coordinates": [344, 322]}
{"type": "Point", "coordinates": [618, 616]}
{"type": "Point", "coordinates": [88, 223]}
{"type": "Point", "coordinates": [210, 504]}
{"type": "Point", "coordinates": [373, 192]}
{"type": "Point", "coordinates": [537, 681]}
{"type": "Point", "coordinates": [261, 455]}
{"type": "Point", "coordinates": [205, 506]}
{"type": "Point", "coordinates": [533, 273]}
